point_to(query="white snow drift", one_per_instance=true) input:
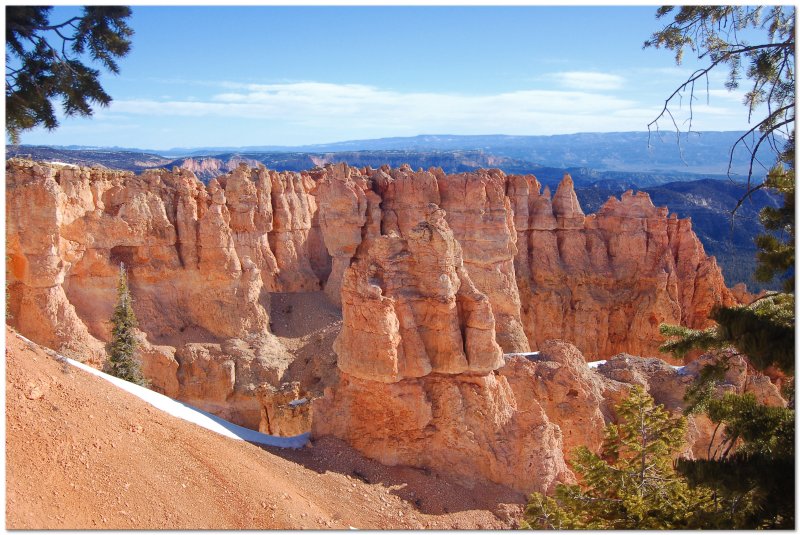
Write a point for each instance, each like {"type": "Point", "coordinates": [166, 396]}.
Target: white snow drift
{"type": "Point", "coordinates": [189, 413]}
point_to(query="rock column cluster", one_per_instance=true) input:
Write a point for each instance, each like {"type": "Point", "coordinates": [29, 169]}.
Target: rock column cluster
{"type": "Point", "coordinates": [438, 276]}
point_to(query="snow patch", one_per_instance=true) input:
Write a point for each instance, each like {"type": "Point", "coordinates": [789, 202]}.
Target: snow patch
{"type": "Point", "coordinates": [596, 363]}
{"type": "Point", "coordinates": [297, 402]}
{"type": "Point", "coordinates": [191, 414]}
{"type": "Point", "coordinates": [63, 163]}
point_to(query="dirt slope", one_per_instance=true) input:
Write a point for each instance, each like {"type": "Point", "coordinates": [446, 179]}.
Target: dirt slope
{"type": "Point", "coordinates": [82, 454]}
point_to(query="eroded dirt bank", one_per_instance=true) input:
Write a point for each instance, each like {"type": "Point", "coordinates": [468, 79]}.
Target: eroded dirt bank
{"type": "Point", "coordinates": [80, 454]}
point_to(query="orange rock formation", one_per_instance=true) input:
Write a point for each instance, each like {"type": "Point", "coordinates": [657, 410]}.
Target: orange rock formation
{"type": "Point", "coordinates": [437, 277]}
{"type": "Point", "coordinates": [606, 281]}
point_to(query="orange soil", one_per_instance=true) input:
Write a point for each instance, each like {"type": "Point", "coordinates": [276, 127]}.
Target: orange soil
{"type": "Point", "coordinates": [82, 454]}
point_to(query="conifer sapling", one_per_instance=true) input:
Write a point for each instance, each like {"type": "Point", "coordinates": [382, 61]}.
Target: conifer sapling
{"type": "Point", "coordinates": [122, 362]}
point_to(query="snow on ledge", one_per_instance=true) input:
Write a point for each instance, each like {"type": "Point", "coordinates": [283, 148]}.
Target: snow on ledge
{"type": "Point", "coordinates": [189, 413]}
{"type": "Point", "coordinates": [62, 163]}
{"type": "Point", "coordinates": [593, 365]}
{"type": "Point", "coordinates": [527, 354]}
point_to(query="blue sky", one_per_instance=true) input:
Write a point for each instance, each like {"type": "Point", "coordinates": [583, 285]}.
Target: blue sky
{"type": "Point", "coordinates": [234, 76]}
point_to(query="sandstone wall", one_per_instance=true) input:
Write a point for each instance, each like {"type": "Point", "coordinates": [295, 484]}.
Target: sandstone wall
{"type": "Point", "coordinates": [417, 354]}
{"type": "Point", "coordinates": [197, 256]}
{"type": "Point", "coordinates": [603, 281]}
{"type": "Point", "coordinates": [436, 274]}
{"type": "Point", "coordinates": [606, 281]}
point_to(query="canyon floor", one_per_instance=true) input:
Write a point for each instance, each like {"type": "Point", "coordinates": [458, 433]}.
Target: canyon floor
{"type": "Point", "coordinates": [82, 454]}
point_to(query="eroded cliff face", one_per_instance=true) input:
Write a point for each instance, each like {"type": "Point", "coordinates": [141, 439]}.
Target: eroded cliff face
{"type": "Point", "coordinates": [603, 281]}
{"type": "Point", "coordinates": [417, 354]}
{"type": "Point", "coordinates": [606, 281]}
{"type": "Point", "coordinates": [198, 258]}
{"type": "Point", "coordinates": [437, 277]}
{"type": "Point", "coordinates": [435, 281]}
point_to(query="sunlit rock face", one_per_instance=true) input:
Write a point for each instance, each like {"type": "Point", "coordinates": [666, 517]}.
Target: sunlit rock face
{"type": "Point", "coordinates": [606, 281]}
{"type": "Point", "coordinates": [437, 277]}
{"type": "Point", "coordinates": [443, 273]}
{"type": "Point", "coordinates": [197, 257]}
{"type": "Point", "coordinates": [418, 352]}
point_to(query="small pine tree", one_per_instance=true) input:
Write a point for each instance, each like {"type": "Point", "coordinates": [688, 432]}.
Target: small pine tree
{"type": "Point", "coordinates": [751, 469]}
{"type": "Point", "coordinates": [632, 483]}
{"type": "Point", "coordinates": [121, 360]}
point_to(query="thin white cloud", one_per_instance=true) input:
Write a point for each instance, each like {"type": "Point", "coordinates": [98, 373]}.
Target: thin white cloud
{"type": "Point", "coordinates": [588, 81]}
{"type": "Point", "coordinates": [737, 95]}
{"type": "Point", "coordinates": [325, 104]}
{"type": "Point", "coordinates": [301, 112]}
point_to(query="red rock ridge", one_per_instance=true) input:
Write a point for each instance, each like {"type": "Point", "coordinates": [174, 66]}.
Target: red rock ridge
{"type": "Point", "coordinates": [606, 281]}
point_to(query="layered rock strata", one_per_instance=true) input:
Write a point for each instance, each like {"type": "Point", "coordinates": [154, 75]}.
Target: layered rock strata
{"type": "Point", "coordinates": [197, 257]}
{"type": "Point", "coordinates": [603, 281]}
{"type": "Point", "coordinates": [418, 350]}
{"type": "Point", "coordinates": [479, 213]}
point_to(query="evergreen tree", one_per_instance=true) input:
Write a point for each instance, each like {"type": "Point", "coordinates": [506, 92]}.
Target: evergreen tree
{"type": "Point", "coordinates": [122, 362]}
{"type": "Point", "coordinates": [763, 331]}
{"type": "Point", "coordinates": [776, 247]}
{"type": "Point", "coordinates": [632, 483]}
{"type": "Point", "coordinates": [43, 62]}
{"type": "Point", "coordinates": [751, 468]}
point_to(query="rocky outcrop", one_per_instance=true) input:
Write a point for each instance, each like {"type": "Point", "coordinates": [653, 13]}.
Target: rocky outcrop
{"type": "Point", "coordinates": [186, 275]}
{"type": "Point", "coordinates": [285, 411]}
{"type": "Point", "coordinates": [198, 258]}
{"type": "Point", "coordinates": [603, 281]}
{"type": "Point", "coordinates": [463, 425]}
{"type": "Point", "coordinates": [581, 400]}
{"type": "Point", "coordinates": [571, 394]}
{"type": "Point", "coordinates": [437, 275]}
{"type": "Point", "coordinates": [224, 378]}
{"type": "Point", "coordinates": [417, 354]}
{"type": "Point", "coordinates": [197, 255]}
{"type": "Point", "coordinates": [480, 215]}
{"type": "Point", "coordinates": [159, 366]}
{"type": "Point", "coordinates": [668, 385]}
{"type": "Point", "coordinates": [408, 303]}
{"type": "Point", "coordinates": [606, 281]}
{"type": "Point", "coordinates": [291, 238]}
{"type": "Point", "coordinates": [344, 198]}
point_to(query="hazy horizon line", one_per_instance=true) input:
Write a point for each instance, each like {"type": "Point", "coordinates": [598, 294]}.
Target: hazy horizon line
{"type": "Point", "coordinates": [654, 133]}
